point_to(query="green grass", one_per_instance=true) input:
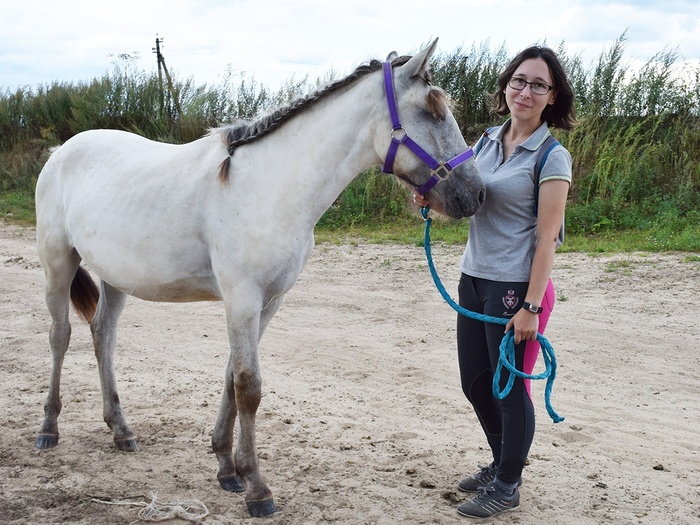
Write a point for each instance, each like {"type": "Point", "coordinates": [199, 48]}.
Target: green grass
{"type": "Point", "coordinates": [17, 207]}
{"type": "Point", "coordinates": [411, 231]}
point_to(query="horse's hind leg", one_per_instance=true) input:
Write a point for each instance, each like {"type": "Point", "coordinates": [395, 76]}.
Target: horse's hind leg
{"type": "Point", "coordinates": [104, 336]}
{"type": "Point", "coordinates": [59, 271]}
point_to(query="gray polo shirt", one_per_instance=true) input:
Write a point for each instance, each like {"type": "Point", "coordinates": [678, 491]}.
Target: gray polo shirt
{"type": "Point", "coordinates": [502, 234]}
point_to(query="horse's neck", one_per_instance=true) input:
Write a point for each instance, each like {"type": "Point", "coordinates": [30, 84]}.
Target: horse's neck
{"type": "Point", "coordinates": [326, 147]}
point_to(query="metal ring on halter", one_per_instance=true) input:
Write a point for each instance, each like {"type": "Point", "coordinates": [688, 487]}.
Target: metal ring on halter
{"type": "Point", "coordinates": [399, 134]}
{"type": "Point", "coordinates": [442, 171]}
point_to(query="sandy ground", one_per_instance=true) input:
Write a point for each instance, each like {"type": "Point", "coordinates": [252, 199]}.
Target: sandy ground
{"type": "Point", "coordinates": [362, 419]}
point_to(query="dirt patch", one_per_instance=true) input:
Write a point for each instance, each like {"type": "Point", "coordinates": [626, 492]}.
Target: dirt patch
{"type": "Point", "coordinates": [362, 419]}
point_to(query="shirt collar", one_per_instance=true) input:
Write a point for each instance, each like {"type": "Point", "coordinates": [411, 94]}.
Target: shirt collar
{"type": "Point", "coordinates": [533, 142]}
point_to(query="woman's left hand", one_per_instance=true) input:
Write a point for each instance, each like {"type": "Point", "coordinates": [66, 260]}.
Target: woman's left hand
{"type": "Point", "coordinates": [525, 325]}
{"type": "Point", "coordinates": [420, 200]}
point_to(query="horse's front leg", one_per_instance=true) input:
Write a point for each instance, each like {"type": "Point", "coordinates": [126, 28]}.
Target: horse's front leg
{"type": "Point", "coordinates": [222, 439]}
{"type": "Point", "coordinates": [242, 394]}
{"type": "Point", "coordinates": [104, 336]}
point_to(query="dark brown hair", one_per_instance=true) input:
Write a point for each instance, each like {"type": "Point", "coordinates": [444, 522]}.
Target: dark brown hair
{"type": "Point", "coordinates": [561, 114]}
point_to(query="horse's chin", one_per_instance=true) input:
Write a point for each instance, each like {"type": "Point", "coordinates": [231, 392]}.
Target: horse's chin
{"type": "Point", "coordinates": [462, 206]}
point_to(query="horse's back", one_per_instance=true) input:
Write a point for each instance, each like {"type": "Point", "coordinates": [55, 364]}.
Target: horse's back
{"type": "Point", "coordinates": [113, 155]}
{"type": "Point", "coordinates": [102, 172]}
{"type": "Point", "coordinates": [96, 157]}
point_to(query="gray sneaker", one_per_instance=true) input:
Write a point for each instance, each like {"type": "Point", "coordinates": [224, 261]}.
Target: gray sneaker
{"type": "Point", "coordinates": [482, 478]}
{"type": "Point", "coordinates": [488, 502]}
{"type": "Point", "coordinates": [479, 480]}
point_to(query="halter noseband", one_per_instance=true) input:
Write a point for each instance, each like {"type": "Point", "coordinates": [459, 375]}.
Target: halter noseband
{"type": "Point", "coordinates": [439, 171]}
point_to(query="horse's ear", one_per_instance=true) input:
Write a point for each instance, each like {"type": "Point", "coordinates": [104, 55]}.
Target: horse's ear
{"type": "Point", "coordinates": [420, 62]}
{"type": "Point", "coordinates": [391, 56]}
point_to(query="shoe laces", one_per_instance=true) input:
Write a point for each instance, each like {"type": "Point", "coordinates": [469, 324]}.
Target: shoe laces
{"type": "Point", "coordinates": [486, 470]}
{"type": "Point", "coordinates": [488, 492]}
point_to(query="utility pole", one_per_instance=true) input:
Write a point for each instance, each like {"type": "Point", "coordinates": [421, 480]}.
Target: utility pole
{"type": "Point", "coordinates": [159, 57]}
{"type": "Point", "coordinates": [163, 68]}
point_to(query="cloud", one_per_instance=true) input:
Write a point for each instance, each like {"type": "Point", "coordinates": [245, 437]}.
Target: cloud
{"type": "Point", "coordinates": [275, 40]}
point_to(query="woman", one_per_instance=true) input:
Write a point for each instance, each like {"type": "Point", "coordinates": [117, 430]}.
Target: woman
{"type": "Point", "coordinates": [507, 264]}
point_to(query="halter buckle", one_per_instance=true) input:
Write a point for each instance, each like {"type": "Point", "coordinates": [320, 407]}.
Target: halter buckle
{"type": "Point", "coordinates": [442, 171]}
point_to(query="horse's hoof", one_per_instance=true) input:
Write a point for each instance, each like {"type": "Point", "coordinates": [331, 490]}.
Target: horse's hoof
{"type": "Point", "coordinates": [232, 483]}
{"type": "Point", "coordinates": [127, 444]}
{"type": "Point", "coordinates": [44, 441]}
{"type": "Point", "coordinates": [260, 509]}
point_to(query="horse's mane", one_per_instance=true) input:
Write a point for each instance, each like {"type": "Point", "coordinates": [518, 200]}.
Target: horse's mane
{"type": "Point", "coordinates": [245, 132]}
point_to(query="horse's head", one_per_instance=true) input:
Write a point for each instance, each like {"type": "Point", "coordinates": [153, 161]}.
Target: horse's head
{"type": "Point", "coordinates": [422, 143]}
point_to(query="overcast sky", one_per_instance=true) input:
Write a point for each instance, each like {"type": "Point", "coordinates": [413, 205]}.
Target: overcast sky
{"type": "Point", "coordinates": [42, 41]}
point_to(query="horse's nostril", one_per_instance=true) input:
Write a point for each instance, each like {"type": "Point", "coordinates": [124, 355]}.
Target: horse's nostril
{"type": "Point", "coordinates": [482, 196]}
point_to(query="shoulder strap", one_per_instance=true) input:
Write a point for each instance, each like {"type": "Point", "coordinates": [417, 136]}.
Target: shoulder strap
{"type": "Point", "coordinates": [480, 142]}
{"type": "Point", "coordinates": [547, 146]}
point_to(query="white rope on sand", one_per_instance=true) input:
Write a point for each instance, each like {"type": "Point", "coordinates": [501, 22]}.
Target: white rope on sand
{"type": "Point", "coordinates": [191, 510]}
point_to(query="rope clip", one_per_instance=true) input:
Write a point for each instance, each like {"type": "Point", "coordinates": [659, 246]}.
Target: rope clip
{"type": "Point", "coordinates": [424, 211]}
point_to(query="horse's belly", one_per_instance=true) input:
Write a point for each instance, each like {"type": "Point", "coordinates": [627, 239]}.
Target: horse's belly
{"type": "Point", "coordinates": [179, 291]}
{"type": "Point", "coordinates": [149, 270]}
{"type": "Point", "coordinates": [160, 287]}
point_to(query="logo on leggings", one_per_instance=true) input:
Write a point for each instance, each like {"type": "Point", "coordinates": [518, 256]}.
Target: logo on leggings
{"type": "Point", "coordinates": [511, 300]}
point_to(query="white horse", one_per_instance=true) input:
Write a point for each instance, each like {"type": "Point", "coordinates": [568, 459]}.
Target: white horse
{"type": "Point", "coordinates": [155, 221]}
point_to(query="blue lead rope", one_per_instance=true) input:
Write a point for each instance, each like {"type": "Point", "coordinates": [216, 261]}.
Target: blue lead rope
{"type": "Point", "coordinates": [507, 348]}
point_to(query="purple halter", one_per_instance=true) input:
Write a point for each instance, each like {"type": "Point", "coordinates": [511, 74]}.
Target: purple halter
{"type": "Point", "coordinates": [439, 171]}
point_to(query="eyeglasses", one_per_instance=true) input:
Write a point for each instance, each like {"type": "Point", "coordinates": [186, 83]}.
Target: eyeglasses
{"type": "Point", "coordinates": [538, 88]}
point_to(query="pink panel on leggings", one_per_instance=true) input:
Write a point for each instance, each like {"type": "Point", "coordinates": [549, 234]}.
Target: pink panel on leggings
{"type": "Point", "coordinates": [532, 348]}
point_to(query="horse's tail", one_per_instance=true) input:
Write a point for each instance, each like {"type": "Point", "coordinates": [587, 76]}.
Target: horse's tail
{"type": "Point", "coordinates": [84, 294]}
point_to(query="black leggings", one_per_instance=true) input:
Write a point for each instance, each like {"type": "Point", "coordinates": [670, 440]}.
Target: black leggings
{"type": "Point", "coordinates": [509, 424]}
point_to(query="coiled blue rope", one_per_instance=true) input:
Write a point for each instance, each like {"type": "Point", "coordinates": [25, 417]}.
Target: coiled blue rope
{"type": "Point", "coordinates": [506, 357]}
